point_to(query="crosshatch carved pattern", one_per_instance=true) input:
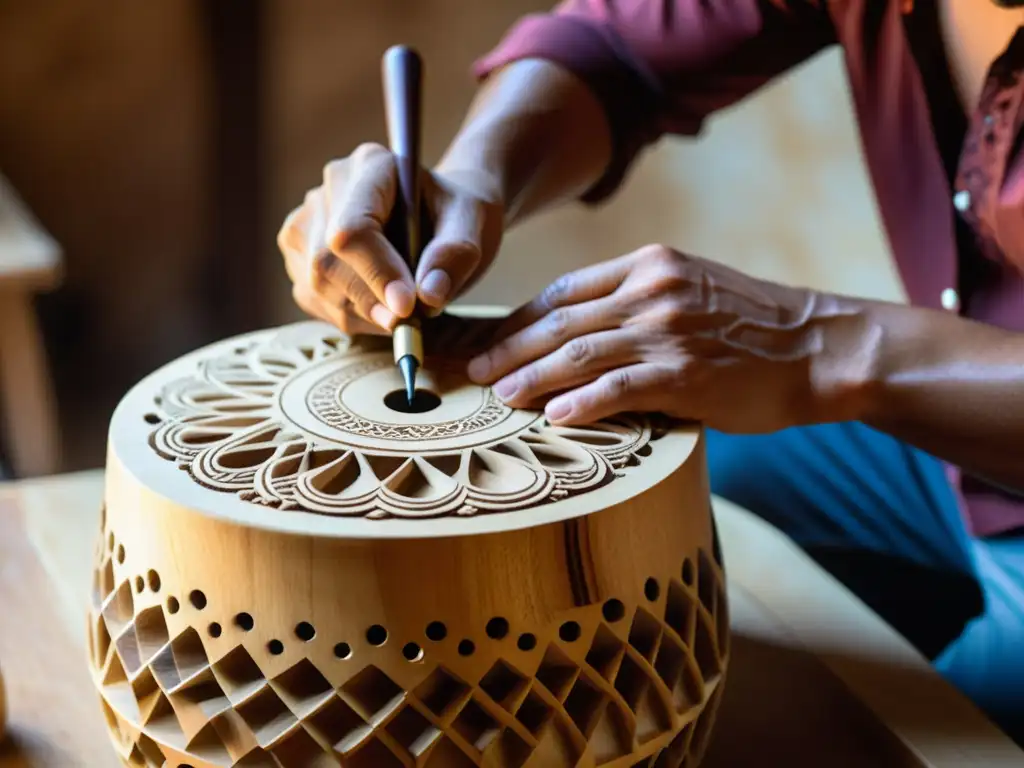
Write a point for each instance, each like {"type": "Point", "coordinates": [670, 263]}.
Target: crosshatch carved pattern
{"type": "Point", "coordinates": [225, 426]}
{"type": "Point", "coordinates": [613, 685]}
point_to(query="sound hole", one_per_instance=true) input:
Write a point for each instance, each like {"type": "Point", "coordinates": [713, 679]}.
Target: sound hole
{"type": "Point", "coordinates": [422, 401]}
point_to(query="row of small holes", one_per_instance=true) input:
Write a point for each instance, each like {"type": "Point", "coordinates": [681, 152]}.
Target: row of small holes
{"type": "Point", "coordinates": [497, 628]}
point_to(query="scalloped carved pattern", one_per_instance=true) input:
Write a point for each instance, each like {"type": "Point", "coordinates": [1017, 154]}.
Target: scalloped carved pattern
{"type": "Point", "coordinates": [224, 425]}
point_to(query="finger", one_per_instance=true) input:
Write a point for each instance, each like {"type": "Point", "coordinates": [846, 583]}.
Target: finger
{"type": "Point", "coordinates": [543, 337]}
{"type": "Point", "coordinates": [339, 285]}
{"type": "Point", "coordinates": [640, 387]}
{"type": "Point", "coordinates": [360, 198]}
{"type": "Point", "coordinates": [453, 255]}
{"type": "Point", "coordinates": [576, 287]}
{"type": "Point", "coordinates": [579, 361]}
{"type": "Point", "coordinates": [345, 321]}
{"type": "Point", "coordinates": [291, 241]}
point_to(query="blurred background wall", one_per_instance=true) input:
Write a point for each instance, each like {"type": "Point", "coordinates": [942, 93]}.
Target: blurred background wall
{"type": "Point", "coordinates": [162, 143]}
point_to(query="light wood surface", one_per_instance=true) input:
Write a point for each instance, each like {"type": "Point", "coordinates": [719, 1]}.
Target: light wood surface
{"type": "Point", "coordinates": [30, 262]}
{"type": "Point", "coordinates": [816, 678]}
{"type": "Point", "coordinates": [296, 567]}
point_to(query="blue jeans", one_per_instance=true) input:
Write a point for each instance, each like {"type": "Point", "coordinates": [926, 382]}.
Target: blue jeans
{"type": "Point", "coordinates": [881, 516]}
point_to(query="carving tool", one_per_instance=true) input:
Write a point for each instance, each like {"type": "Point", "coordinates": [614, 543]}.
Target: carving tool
{"type": "Point", "coordinates": [403, 79]}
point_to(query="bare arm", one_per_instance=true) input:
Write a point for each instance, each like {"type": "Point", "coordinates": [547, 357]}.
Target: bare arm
{"type": "Point", "coordinates": [534, 136]}
{"type": "Point", "coordinates": [570, 97]}
{"type": "Point", "coordinates": [950, 386]}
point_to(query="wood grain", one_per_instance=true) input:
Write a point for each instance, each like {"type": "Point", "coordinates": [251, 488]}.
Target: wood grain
{"type": "Point", "coordinates": [856, 693]}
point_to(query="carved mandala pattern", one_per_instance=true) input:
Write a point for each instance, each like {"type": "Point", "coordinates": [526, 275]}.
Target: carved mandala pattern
{"type": "Point", "coordinates": [323, 401]}
{"type": "Point", "coordinates": [226, 425]}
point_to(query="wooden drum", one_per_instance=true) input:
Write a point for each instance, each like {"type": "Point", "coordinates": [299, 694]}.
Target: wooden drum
{"type": "Point", "coordinates": [293, 572]}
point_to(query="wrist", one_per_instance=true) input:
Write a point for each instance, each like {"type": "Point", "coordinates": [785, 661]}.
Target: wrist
{"type": "Point", "coordinates": [847, 370]}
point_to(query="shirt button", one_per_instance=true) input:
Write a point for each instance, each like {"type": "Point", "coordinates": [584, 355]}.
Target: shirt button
{"type": "Point", "coordinates": [950, 300]}
{"type": "Point", "coordinates": [962, 200]}
{"type": "Point", "coordinates": [990, 120]}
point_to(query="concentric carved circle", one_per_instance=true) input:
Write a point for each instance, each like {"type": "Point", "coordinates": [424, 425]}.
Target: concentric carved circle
{"type": "Point", "coordinates": [344, 406]}
{"type": "Point", "coordinates": [295, 421]}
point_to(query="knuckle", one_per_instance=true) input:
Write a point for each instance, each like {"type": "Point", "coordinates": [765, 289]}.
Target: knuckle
{"type": "Point", "coordinates": [368, 150]}
{"type": "Point", "coordinates": [463, 252]}
{"type": "Point", "coordinates": [527, 381]}
{"type": "Point", "coordinates": [556, 326]}
{"type": "Point", "coordinates": [578, 351]}
{"type": "Point", "coordinates": [617, 384]}
{"type": "Point", "coordinates": [335, 167]}
{"type": "Point", "coordinates": [351, 232]}
{"type": "Point", "coordinates": [557, 291]}
{"type": "Point", "coordinates": [321, 270]}
{"type": "Point", "coordinates": [284, 237]}
{"type": "Point", "coordinates": [656, 253]}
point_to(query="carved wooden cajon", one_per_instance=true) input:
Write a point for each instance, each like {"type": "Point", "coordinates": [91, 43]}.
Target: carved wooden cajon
{"type": "Point", "coordinates": [293, 573]}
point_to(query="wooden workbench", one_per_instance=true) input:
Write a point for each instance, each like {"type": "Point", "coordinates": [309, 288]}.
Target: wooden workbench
{"type": "Point", "coordinates": [816, 679]}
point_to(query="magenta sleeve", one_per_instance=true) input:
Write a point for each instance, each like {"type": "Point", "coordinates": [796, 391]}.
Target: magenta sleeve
{"type": "Point", "coordinates": [662, 66]}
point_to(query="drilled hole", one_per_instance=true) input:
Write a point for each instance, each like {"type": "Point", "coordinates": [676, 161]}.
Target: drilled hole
{"type": "Point", "coordinates": [569, 632]}
{"type": "Point", "coordinates": [305, 631]}
{"type": "Point", "coordinates": [154, 580]}
{"type": "Point", "coordinates": [120, 553]}
{"type": "Point", "coordinates": [244, 622]}
{"type": "Point", "coordinates": [688, 572]}
{"type": "Point", "coordinates": [422, 401]}
{"type": "Point", "coordinates": [215, 629]}
{"type": "Point", "coordinates": [526, 642]}
{"type": "Point", "coordinates": [497, 628]}
{"type": "Point", "coordinates": [436, 631]}
{"type": "Point", "coordinates": [173, 605]}
{"type": "Point", "coordinates": [412, 652]}
{"type": "Point", "coordinates": [376, 635]}
{"type": "Point", "coordinates": [140, 584]}
{"type": "Point", "coordinates": [198, 599]}
{"type": "Point", "coordinates": [151, 418]}
{"type": "Point", "coordinates": [276, 647]}
{"type": "Point", "coordinates": [343, 650]}
{"type": "Point", "coordinates": [466, 648]}
{"type": "Point", "coordinates": [652, 590]}
{"type": "Point", "coordinates": [110, 542]}
{"type": "Point", "coordinates": [613, 610]}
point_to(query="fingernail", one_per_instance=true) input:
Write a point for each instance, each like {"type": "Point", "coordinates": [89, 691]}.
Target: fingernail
{"type": "Point", "coordinates": [478, 368]}
{"type": "Point", "coordinates": [382, 316]}
{"type": "Point", "coordinates": [558, 409]}
{"type": "Point", "coordinates": [400, 298]}
{"type": "Point", "coordinates": [505, 389]}
{"type": "Point", "coordinates": [436, 285]}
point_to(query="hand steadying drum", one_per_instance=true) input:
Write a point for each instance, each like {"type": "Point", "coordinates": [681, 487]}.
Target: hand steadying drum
{"type": "Point", "coordinates": [660, 331]}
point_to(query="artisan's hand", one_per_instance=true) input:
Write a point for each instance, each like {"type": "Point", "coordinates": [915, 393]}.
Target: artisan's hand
{"type": "Point", "coordinates": [343, 268]}
{"type": "Point", "coordinates": [660, 331]}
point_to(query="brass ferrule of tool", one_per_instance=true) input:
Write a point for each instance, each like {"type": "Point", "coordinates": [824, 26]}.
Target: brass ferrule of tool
{"type": "Point", "coordinates": [408, 341]}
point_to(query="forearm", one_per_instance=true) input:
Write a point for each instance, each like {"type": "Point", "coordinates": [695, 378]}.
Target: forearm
{"type": "Point", "coordinates": [950, 386]}
{"type": "Point", "coordinates": [534, 136]}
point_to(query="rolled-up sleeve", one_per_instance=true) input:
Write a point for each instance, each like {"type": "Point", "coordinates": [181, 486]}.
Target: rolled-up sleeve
{"type": "Point", "coordinates": [663, 66]}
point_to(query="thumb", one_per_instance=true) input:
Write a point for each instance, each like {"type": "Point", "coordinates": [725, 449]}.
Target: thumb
{"type": "Point", "coordinates": [453, 255]}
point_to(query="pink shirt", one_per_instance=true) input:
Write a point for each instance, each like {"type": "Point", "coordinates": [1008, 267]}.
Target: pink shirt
{"type": "Point", "coordinates": [950, 187]}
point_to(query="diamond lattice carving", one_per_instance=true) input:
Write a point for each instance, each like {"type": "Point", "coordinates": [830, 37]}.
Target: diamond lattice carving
{"type": "Point", "coordinates": [618, 689]}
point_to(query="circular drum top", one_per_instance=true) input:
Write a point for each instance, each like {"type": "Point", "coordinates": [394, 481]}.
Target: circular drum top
{"type": "Point", "coordinates": [296, 430]}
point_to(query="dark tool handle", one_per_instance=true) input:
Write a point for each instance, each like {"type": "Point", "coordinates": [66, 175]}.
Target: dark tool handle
{"type": "Point", "coordinates": [403, 89]}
